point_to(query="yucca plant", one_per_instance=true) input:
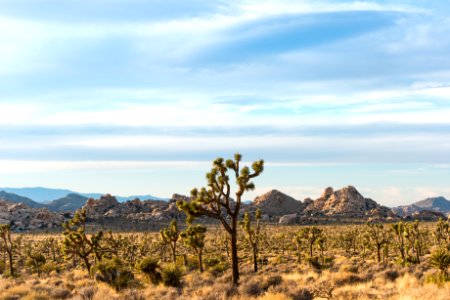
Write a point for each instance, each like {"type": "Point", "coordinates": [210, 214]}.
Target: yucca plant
{"type": "Point", "coordinates": [441, 260]}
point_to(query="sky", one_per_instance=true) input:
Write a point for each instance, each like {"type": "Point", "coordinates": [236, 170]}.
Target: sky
{"type": "Point", "coordinates": [138, 97]}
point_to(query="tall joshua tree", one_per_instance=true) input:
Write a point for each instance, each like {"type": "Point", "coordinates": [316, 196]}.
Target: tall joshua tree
{"type": "Point", "coordinates": [170, 236]}
{"type": "Point", "coordinates": [215, 200]}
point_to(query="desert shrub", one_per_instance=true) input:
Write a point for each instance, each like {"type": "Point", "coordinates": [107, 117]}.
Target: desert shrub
{"type": "Point", "coordinates": [390, 275]}
{"type": "Point", "coordinates": [273, 280]}
{"type": "Point", "coordinates": [171, 275]}
{"type": "Point", "coordinates": [133, 295]}
{"type": "Point", "coordinates": [251, 288]}
{"type": "Point", "coordinates": [114, 273]}
{"type": "Point", "coordinates": [87, 292]}
{"type": "Point", "coordinates": [348, 279]}
{"type": "Point", "coordinates": [440, 260]}
{"type": "Point", "coordinates": [323, 289]}
{"type": "Point", "coordinates": [150, 267]}
{"type": "Point", "coordinates": [314, 262]}
{"type": "Point", "coordinates": [60, 293]}
{"type": "Point", "coordinates": [50, 267]}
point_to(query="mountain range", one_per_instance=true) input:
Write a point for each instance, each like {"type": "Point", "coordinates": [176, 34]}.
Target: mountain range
{"type": "Point", "coordinates": [274, 203]}
{"type": "Point", "coordinates": [58, 199]}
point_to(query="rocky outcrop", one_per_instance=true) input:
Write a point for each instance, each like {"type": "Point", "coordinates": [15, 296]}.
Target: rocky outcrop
{"type": "Point", "coordinates": [437, 204]}
{"type": "Point", "coordinates": [24, 218]}
{"type": "Point", "coordinates": [426, 215]}
{"type": "Point", "coordinates": [275, 203]}
{"type": "Point", "coordinates": [349, 202]}
{"type": "Point", "coordinates": [133, 210]}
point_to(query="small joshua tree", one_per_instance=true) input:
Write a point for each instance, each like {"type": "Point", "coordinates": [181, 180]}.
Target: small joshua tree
{"type": "Point", "coordinates": [170, 236]}
{"type": "Point", "coordinates": [252, 235]}
{"type": "Point", "coordinates": [77, 243]}
{"type": "Point", "coordinates": [311, 235]}
{"type": "Point", "coordinates": [194, 237]}
{"type": "Point", "coordinates": [399, 238]}
{"type": "Point", "coordinates": [378, 237]}
{"type": "Point", "coordinates": [215, 200]}
{"type": "Point", "coordinates": [7, 245]}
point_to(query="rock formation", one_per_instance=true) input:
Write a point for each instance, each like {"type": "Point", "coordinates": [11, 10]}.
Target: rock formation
{"type": "Point", "coordinates": [275, 203]}
{"type": "Point", "coordinates": [23, 218]}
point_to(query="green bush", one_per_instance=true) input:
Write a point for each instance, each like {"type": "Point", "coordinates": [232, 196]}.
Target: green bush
{"type": "Point", "coordinates": [150, 267]}
{"type": "Point", "coordinates": [171, 276]}
{"type": "Point", "coordinates": [114, 273]}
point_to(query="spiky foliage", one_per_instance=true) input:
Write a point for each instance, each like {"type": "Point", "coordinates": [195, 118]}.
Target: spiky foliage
{"type": "Point", "coordinates": [442, 233]}
{"type": "Point", "coordinates": [440, 259]}
{"type": "Point", "coordinates": [150, 267]}
{"type": "Point", "coordinates": [399, 238]}
{"type": "Point", "coordinates": [215, 200]}
{"type": "Point", "coordinates": [76, 243]}
{"type": "Point", "coordinates": [310, 235]}
{"type": "Point", "coordinates": [170, 236]}
{"type": "Point", "coordinates": [378, 236]}
{"type": "Point", "coordinates": [194, 237]}
{"type": "Point", "coordinates": [252, 234]}
{"type": "Point", "coordinates": [7, 245]}
{"type": "Point", "coordinates": [414, 244]}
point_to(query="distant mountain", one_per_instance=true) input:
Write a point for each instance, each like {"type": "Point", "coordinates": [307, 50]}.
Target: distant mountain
{"type": "Point", "coordinates": [10, 197]}
{"type": "Point", "coordinates": [46, 195]}
{"type": "Point", "coordinates": [71, 202]}
{"type": "Point", "coordinates": [437, 204]}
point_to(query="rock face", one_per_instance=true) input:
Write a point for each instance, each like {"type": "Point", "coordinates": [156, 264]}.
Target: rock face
{"type": "Point", "coordinates": [275, 203]}
{"type": "Point", "coordinates": [437, 204]}
{"type": "Point", "coordinates": [23, 218]}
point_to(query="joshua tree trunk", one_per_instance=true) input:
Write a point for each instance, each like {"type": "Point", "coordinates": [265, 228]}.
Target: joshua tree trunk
{"type": "Point", "coordinates": [255, 258]}
{"type": "Point", "coordinates": [234, 252]}
{"type": "Point", "coordinates": [200, 260]}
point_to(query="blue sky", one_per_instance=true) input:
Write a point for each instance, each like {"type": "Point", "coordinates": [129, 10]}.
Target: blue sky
{"type": "Point", "coordinates": [134, 97]}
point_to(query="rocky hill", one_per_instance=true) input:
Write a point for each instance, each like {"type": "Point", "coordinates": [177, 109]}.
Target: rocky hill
{"type": "Point", "coordinates": [11, 197]}
{"type": "Point", "coordinates": [437, 204]}
{"type": "Point", "coordinates": [71, 202]}
{"type": "Point", "coordinates": [344, 201]}
{"type": "Point", "coordinates": [275, 203]}
{"type": "Point", "coordinates": [342, 205]}
{"type": "Point", "coordinates": [23, 218]}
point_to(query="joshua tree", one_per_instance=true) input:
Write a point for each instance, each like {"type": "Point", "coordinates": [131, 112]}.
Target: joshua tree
{"type": "Point", "coordinates": [7, 245]}
{"type": "Point", "coordinates": [194, 237]}
{"type": "Point", "coordinates": [442, 233]}
{"type": "Point", "coordinates": [215, 200]}
{"type": "Point", "coordinates": [170, 236]}
{"type": "Point", "coordinates": [77, 243]}
{"type": "Point", "coordinates": [399, 229]}
{"type": "Point", "coordinates": [311, 235]}
{"type": "Point", "coordinates": [252, 235]}
{"type": "Point", "coordinates": [378, 237]}
{"type": "Point", "coordinates": [413, 237]}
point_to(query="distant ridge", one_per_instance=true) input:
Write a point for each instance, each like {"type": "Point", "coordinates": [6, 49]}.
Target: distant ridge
{"type": "Point", "coordinates": [10, 197]}
{"type": "Point", "coordinates": [437, 204]}
{"type": "Point", "coordinates": [46, 195]}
